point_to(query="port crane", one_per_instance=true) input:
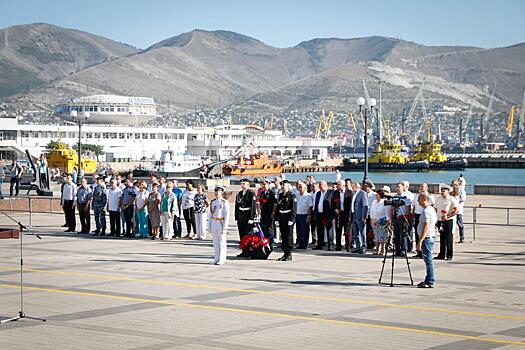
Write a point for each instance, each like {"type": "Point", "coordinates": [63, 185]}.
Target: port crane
{"type": "Point", "coordinates": [324, 125]}
{"type": "Point", "coordinates": [463, 124]}
{"type": "Point", "coordinates": [510, 121]}
{"type": "Point", "coordinates": [521, 120]}
{"type": "Point", "coordinates": [351, 121]}
{"type": "Point", "coordinates": [484, 127]}
{"type": "Point", "coordinates": [513, 141]}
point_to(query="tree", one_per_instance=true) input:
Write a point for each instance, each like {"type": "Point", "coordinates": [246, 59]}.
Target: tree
{"type": "Point", "coordinates": [97, 150]}
{"type": "Point", "coordinates": [52, 145]}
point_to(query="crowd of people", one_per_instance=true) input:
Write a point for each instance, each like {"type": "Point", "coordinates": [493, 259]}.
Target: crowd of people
{"type": "Point", "coordinates": [351, 216]}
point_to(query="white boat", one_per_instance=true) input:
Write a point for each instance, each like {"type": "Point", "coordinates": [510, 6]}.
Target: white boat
{"type": "Point", "coordinates": [171, 163]}
{"type": "Point", "coordinates": [110, 109]}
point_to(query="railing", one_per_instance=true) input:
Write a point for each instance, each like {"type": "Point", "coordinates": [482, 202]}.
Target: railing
{"type": "Point", "coordinates": [490, 215]}
{"type": "Point", "coordinates": [46, 205]}
{"type": "Point", "coordinates": [497, 216]}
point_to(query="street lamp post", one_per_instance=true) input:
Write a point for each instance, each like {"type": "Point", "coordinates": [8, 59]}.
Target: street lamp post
{"type": "Point", "coordinates": [371, 102]}
{"type": "Point", "coordinates": [79, 119]}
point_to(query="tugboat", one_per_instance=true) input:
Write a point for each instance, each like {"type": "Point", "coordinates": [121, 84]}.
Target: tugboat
{"type": "Point", "coordinates": [431, 151]}
{"type": "Point", "coordinates": [65, 158]}
{"type": "Point", "coordinates": [255, 165]}
{"type": "Point", "coordinates": [386, 157]}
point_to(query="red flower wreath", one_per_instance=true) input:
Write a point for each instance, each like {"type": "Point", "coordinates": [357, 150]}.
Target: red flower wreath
{"type": "Point", "coordinates": [251, 242]}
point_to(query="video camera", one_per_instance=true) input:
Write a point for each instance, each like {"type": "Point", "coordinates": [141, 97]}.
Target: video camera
{"type": "Point", "coordinates": [395, 201]}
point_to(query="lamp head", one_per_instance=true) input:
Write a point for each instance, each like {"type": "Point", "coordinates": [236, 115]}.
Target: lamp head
{"type": "Point", "coordinates": [360, 101]}
{"type": "Point", "coordinates": [73, 114]}
{"type": "Point", "coordinates": [86, 115]}
{"type": "Point", "coordinates": [372, 102]}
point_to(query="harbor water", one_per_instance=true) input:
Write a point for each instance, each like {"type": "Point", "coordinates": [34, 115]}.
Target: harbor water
{"type": "Point", "coordinates": [472, 176]}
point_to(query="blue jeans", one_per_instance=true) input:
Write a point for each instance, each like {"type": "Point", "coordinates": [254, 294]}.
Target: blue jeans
{"type": "Point", "coordinates": [461, 227]}
{"type": "Point", "coordinates": [426, 251]}
{"type": "Point", "coordinates": [100, 218]}
{"type": "Point", "coordinates": [142, 222]}
{"type": "Point", "coordinates": [302, 231]}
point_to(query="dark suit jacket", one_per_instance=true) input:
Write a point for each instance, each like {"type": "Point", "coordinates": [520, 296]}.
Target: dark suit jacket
{"type": "Point", "coordinates": [347, 201]}
{"type": "Point", "coordinates": [327, 204]}
{"type": "Point", "coordinates": [360, 207]}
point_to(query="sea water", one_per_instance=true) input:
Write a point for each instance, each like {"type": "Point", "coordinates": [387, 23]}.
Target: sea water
{"type": "Point", "coordinates": [472, 176]}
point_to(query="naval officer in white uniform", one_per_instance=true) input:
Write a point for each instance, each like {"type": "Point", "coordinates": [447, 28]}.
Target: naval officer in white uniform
{"type": "Point", "coordinates": [218, 220]}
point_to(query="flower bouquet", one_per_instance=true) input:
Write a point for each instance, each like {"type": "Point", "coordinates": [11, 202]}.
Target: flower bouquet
{"type": "Point", "coordinates": [255, 245]}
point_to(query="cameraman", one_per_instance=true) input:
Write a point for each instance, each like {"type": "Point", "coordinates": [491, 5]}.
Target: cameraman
{"type": "Point", "coordinates": [401, 223]}
{"type": "Point", "coordinates": [427, 230]}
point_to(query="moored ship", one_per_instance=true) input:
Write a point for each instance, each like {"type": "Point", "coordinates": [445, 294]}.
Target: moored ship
{"type": "Point", "coordinates": [254, 165]}
{"type": "Point", "coordinates": [65, 159]}
{"type": "Point", "coordinates": [432, 152]}
{"type": "Point", "coordinates": [386, 157]}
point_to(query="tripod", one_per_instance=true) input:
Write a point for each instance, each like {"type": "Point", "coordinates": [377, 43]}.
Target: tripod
{"type": "Point", "coordinates": [403, 237]}
{"type": "Point", "coordinates": [21, 313]}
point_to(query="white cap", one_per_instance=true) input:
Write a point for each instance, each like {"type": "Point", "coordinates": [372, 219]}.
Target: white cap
{"type": "Point", "coordinates": [406, 183]}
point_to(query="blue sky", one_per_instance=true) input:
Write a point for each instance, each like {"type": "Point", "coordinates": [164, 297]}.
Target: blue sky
{"type": "Point", "coordinates": [283, 23]}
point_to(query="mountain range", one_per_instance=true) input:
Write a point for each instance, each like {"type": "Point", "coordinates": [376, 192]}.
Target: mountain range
{"type": "Point", "coordinates": [209, 69]}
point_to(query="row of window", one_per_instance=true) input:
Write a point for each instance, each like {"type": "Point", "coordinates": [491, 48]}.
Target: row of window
{"type": "Point", "coordinates": [98, 135]}
{"type": "Point", "coordinates": [121, 109]}
{"type": "Point", "coordinates": [7, 135]}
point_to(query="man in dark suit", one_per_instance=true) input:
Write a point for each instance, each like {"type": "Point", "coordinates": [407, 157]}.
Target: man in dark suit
{"type": "Point", "coordinates": [324, 214]}
{"type": "Point", "coordinates": [359, 210]}
{"type": "Point", "coordinates": [347, 224]}
{"type": "Point", "coordinates": [341, 212]}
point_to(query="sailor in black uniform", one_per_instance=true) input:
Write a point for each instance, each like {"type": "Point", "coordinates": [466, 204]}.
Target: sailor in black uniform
{"type": "Point", "coordinates": [245, 209]}
{"type": "Point", "coordinates": [285, 219]}
{"type": "Point", "coordinates": [267, 200]}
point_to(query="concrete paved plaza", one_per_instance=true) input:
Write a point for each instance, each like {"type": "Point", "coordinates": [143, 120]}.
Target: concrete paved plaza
{"type": "Point", "coordinates": [103, 293]}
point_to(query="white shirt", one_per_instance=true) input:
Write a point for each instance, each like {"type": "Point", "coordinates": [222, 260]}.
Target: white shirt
{"type": "Point", "coordinates": [342, 200]}
{"type": "Point", "coordinates": [419, 209]}
{"type": "Point", "coordinates": [447, 204]}
{"type": "Point", "coordinates": [141, 198]}
{"type": "Point", "coordinates": [114, 195]}
{"type": "Point", "coordinates": [295, 192]}
{"type": "Point", "coordinates": [69, 193]}
{"type": "Point", "coordinates": [320, 204]}
{"type": "Point", "coordinates": [461, 198]}
{"type": "Point", "coordinates": [378, 210]}
{"type": "Point", "coordinates": [462, 182]}
{"type": "Point", "coordinates": [409, 196]}
{"type": "Point", "coordinates": [188, 198]}
{"type": "Point", "coordinates": [353, 200]}
{"type": "Point", "coordinates": [370, 197]}
{"type": "Point", "coordinates": [304, 202]}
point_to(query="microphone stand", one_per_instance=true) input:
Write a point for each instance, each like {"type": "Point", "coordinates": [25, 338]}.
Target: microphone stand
{"type": "Point", "coordinates": [21, 313]}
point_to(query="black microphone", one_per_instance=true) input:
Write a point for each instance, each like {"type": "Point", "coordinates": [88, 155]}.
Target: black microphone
{"type": "Point", "coordinates": [23, 227]}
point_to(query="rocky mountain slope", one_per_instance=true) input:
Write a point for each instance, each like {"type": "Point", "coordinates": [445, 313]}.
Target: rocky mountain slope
{"type": "Point", "coordinates": [203, 69]}
{"type": "Point", "coordinates": [31, 55]}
